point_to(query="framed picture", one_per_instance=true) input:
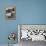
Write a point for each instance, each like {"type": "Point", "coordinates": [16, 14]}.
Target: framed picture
{"type": "Point", "coordinates": [10, 12]}
{"type": "Point", "coordinates": [32, 32]}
